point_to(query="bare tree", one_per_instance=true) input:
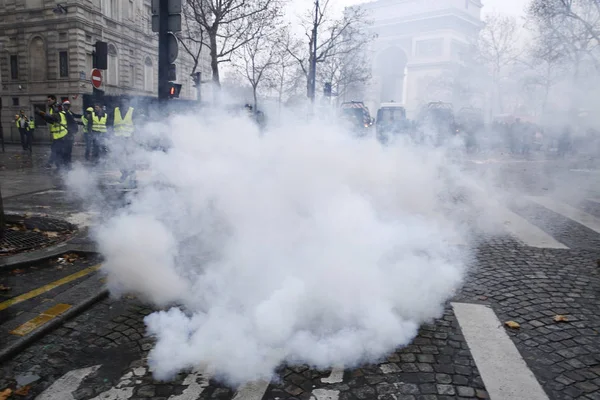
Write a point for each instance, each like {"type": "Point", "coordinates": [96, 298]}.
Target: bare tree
{"type": "Point", "coordinates": [347, 72]}
{"type": "Point", "coordinates": [229, 24]}
{"type": "Point", "coordinates": [567, 33]}
{"type": "Point", "coordinates": [328, 37]}
{"type": "Point", "coordinates": [285, 75]}
{"type": "Point", "coordinates": [258, 55]}
{"type": "Point", "coordinates": [192, 39]}
{"type": "Point", "coordinates": [498, 49]}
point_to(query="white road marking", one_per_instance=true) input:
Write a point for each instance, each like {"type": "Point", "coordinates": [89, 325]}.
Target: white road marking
{"type": "Point", "coordinates": [568, 211]}
{"type": "Point", "coordinates": [526, 232]}
{"type": "Point", "coordinates": [64, 386]}
{"type": "Point", "coordinates": [324, 394]}
{"type": "Point", "coordinates": [252, 391]}
{"type": "Point", "coordinates": [336, 376]}
{"type": "Point", "coordinates": [115, 394]}
{"type": "Point", "coordinates": [503, 370]}
{"type": "Point", "coordinates": [196, 383]}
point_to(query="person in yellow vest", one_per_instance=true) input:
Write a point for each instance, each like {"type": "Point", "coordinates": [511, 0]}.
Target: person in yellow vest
{"type": "Point", "coordinates": [58, 130]}
{"type": "Point", "coordinates": [85, 119]}
{"type": "Point", "coordinates": [97, 127]}
{"type": "Point", "coordinates": [22, 123]}
{"type": "Point", "coordinates": [123, 123]}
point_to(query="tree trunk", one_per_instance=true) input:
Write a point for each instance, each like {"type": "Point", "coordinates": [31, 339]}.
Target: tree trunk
{"type": "Point", "coordinates": [214, 62]}
{"type": "Point", "coordinates": [255, 99]}
{"type": "Point", "coordinates": [2, 223]}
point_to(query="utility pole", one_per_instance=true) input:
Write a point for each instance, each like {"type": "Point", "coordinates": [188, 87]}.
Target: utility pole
{"type": "Point", "coordinates": [163, 51]}
{"type": "Point", "coordinates": [313, 64]}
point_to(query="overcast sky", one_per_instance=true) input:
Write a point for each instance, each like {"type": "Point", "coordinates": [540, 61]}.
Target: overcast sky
{"type": "Point", "coordinates": [515, 7]}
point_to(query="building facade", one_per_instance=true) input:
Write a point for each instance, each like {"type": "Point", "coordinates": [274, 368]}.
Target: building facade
{"type": "Point", "coordinates": [46, 48]}
{"type": "Point", "coordinates": [418, 42]}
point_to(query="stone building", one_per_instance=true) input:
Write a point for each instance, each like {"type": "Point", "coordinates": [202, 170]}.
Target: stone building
{"type": "Point", "coordinates": [46, 48]}
{"type": "Point", "coordinates": [417, 42]}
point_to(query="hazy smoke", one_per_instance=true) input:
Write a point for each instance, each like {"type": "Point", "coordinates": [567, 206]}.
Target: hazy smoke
{"type": "Point", "coordinates": [302, 245]}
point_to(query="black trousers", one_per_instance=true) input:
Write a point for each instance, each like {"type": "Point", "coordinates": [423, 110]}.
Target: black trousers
{"type": "Point", "coordinates": [26, 137]}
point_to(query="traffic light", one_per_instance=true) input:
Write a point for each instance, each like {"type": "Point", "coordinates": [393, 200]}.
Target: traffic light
{"type": "Point", "coordinates": [101, 55]}
{"type": "Point", "coordinates": [197, 78]}
{"type": "Point", "coordinates": [174, 90]}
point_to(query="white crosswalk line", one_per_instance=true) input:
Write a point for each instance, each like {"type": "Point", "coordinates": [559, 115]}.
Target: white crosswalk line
{"type": "Point", "coordinates": [336, 376]}
{"type": "Point", "coordinates": [196, 383]}
{"type": "Point", "coordinates": [526, 232]}
{"type": "Point", "coordinates": [325, 394]}
{"type": "Point", "coordinates": [503, 370]}
{"type": "Point", "coordinates": [581, 217]}
{"type": "Point", "coordinates": [64, 386]}
{"type": "Point", "coordinates": [252, 391]}
{"type": "Point", "coordinates": [115, 394]}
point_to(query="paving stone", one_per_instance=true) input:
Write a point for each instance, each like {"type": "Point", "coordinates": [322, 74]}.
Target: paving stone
{"type": "Point", "coordinates": [408, 388]}
{"type": "Point", "coordinates": [464, 391]}
{"type": "Point", "coordinates": [445, 389]}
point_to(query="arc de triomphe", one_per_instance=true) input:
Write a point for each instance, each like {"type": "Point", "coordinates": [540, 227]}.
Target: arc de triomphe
{"type": "Point", "coordinates": [417, 40]}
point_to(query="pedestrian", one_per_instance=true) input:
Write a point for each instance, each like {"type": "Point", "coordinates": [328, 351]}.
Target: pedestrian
{"type": "Point", "coordinates": [85, 118]}
{"type": "Point", "coordinates": [97, 127]}
{"type": "Point", "coordinates": [72, 128]}
{"type": "Point", "coordinates": [123, 123]}
{"type": "Point", "coordinates": [22, 123]}
{"type": "Point", "coordinates": [58, 129]}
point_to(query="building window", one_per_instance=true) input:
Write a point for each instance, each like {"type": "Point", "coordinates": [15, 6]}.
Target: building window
{"type": "Point", "coordinates": [148, 75]}
{"type": "Point", "coordinates": [37, 60]}
{"type": "Point", "coordinates": [430, 48]}
{"type": "Point", "coordinates": [132, 75]}
{"type": "Point", "coordinates": [63, 60]}
{"type": "Point", "coordinates": [14, 67]}
{"type": "Point", "coordinates": [15, 101]}
{"type": "Point", "coordinates": [89, 62]}
{"type": "Point", "coordinates": [113, 66]}
{"type": "Point", "coordinates": [131, 10]}
{"type": "Point", "coordinates": [111, 8]}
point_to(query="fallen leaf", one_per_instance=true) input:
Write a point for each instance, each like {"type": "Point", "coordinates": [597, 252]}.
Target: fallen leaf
{"type": "Point", "coordinates": [17, 271]}
{"type": "Point", "coordinates": [36, 229]}
{"type": "Point", "coordinates": [23, 391]}
{"type": "Point", "coordinates": [5, 394]}
{"type": "Point", "coordinates": [4, 288]}
{"type": "Point", "coordinates": [512, 324]}
{"type": "Point", "coordinates": [560, 318]}
{"type": "Point", "coordinates": [51, 234]}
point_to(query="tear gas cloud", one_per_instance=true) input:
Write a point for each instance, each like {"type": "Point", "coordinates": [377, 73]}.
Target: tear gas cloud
{"type": "Point", "coordinates": [299, 245]}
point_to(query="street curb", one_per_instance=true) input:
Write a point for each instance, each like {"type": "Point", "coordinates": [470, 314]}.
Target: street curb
{"type": "Point", "coordinates": [37, 256]}
{"type": "Point", "coordinates": [25, 341]}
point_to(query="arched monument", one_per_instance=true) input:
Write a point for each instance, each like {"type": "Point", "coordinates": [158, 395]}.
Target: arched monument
{"type": "Point", "coordinates": [417, 42]}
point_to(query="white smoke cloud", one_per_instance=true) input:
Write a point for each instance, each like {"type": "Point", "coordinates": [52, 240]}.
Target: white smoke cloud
{"type": "Point", "coordinates": [299, 245]}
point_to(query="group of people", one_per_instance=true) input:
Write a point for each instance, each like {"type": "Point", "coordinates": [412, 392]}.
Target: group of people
{"type": "Point", "coordinates": [26, 127]}
{"type": "Point", "coordinates": [98, 128]}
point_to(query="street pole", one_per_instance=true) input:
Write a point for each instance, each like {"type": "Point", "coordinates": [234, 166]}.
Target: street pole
{"type": "Point", "coordinates": [313, 67]}
{"type": "Point", "coordinates": [163, 52]}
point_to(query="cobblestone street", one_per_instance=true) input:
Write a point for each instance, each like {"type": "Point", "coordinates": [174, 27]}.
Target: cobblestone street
{"type": "Point", "coordinates": [549, 285]}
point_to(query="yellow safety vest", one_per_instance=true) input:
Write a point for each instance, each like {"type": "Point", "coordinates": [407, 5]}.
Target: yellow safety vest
{"type": "Point", "coordinates": [59, 129]}
{"type": "Point", "coordinates": [124, 126]}
{"type": "Point", "coordinates": [18, 123]}
{"type": "Point", "coordinates": [85, 123]}
{"type": "Point", "coordinates": [99, 124]}
{"type": "Point", "coordinates": [31, 125]}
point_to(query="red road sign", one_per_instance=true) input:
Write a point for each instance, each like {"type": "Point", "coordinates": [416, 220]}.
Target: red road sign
{"type": "Point", "coordinates": [96, 78]}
